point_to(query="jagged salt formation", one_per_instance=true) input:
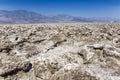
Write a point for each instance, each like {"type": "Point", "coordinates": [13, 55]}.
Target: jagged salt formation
{"type": "Point", "coordinates": [60, 51]}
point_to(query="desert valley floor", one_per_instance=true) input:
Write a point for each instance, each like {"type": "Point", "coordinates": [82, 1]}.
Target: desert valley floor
{"type": "Point", "coordinates": [60, 51]}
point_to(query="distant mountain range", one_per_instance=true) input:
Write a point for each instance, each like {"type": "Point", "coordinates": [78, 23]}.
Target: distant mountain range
{"type": "Point", "coordinates": [23, 16]}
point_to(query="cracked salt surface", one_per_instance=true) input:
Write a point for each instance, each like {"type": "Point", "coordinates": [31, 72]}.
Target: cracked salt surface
{"type": "Point", "coordinates": [73, 51]}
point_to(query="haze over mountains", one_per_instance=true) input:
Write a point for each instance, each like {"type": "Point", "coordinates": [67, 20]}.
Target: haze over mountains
{"type": "Point", "coordinates": [23, 16]}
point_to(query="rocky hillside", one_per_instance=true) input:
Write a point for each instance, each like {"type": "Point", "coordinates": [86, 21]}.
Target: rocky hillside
{"type": "Point", "coordinates": [60, 51]}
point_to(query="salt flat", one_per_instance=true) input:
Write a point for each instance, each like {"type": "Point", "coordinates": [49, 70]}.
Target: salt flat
{"type": "Point", "coordinates": [60, 51]}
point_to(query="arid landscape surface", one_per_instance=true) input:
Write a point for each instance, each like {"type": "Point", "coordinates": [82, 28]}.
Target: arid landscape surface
{"type": "Point", "coordinates": [60, 51]}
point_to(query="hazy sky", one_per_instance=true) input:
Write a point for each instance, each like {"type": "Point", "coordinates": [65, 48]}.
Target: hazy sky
{"type": "Point", "coordinates": [85, 8]}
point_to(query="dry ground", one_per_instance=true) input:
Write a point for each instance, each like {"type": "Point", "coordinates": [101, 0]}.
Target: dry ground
{"type": "Point", "coordinates": [64, 51]}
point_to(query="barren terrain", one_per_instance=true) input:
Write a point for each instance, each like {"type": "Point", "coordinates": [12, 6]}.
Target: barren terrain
{"type": "Point", "coordinates": [63, 51]}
